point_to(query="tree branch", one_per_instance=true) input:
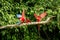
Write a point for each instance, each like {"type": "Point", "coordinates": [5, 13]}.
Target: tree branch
{"type": "Point", "coordinates": [31, 23]}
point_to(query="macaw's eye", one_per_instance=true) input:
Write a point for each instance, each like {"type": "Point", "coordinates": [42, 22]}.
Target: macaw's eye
{"type": "Point", "coordinates": [18, 15]}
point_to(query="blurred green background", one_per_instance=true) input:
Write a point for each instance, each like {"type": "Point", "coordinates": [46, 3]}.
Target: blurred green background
{"type": "Point", "coordinates": [9, 9]}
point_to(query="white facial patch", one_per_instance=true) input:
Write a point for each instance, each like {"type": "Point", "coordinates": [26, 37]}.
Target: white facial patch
{"type": "Point", "coordinates": [18, 15]}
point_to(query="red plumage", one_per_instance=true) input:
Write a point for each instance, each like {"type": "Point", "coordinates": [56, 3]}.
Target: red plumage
{"type": "Point", "coordinates": [43, 14]}
{"type": "Point", "coordinates": [23, 18]}
{"type": "Point", "coordinates": [27, 20]}
{"type": "Point", "coordinates": [39, 18]}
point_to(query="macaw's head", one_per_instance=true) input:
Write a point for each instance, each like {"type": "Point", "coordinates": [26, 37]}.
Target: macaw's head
{"type": "Point", "coordinates": [18, 15]}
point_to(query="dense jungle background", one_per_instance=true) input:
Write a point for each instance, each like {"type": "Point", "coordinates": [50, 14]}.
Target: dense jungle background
{"type": "Point", "coordinates": [9, 9]}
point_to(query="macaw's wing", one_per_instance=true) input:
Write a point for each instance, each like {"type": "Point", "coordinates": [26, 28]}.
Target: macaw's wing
{"type": "Point", "coordinates": [35, 15]}
{"type": "Point", "coordinates": [23, 13]}
{"type": "Point", "coordinates": [27, 20]}
{"type": "Point", "coordinates": [43, 15]}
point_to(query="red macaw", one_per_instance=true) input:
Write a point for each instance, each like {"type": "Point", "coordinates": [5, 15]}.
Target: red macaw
{"type": "Point", "coordinates": [23, 18]}
{"type": "Point", "coordinates": [39, 18]}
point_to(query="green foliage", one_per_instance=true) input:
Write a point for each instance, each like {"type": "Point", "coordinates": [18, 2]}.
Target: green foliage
{"type": "Point", "coordinates": [9, 9]}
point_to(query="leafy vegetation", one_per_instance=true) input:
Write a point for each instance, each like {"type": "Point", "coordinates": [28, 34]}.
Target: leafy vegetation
{"type": "Point", "coordinates": [9, 9]}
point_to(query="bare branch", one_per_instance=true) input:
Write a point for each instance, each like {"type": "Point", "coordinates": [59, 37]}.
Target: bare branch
{"type": "Point", "coordinates": [31, 23]}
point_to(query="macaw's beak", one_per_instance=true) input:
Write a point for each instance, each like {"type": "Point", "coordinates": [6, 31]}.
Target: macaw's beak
{"type": "Point", "coordinates": [18, 15]}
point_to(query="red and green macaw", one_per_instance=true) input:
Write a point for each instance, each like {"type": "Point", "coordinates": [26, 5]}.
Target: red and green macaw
{"type": "Point", "coordinates": [39, 18]}
{"type": "Point", "coordinates": [22, 17]}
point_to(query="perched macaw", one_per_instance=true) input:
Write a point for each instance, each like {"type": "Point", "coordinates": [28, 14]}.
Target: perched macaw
{"type": "Point", "coordinates": [39, 18]}
{"type": "Point", "coordinates": [22, 17]}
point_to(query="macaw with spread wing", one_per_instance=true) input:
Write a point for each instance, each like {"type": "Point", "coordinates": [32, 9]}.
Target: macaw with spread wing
{"type": "Point", "coordinates": [39, 18]}
{"type": "Point", "coordinates": [22, 17]}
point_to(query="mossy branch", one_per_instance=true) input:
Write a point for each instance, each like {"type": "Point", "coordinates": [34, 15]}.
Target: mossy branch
{"type": "Point", "coordinates": [31, 23]}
